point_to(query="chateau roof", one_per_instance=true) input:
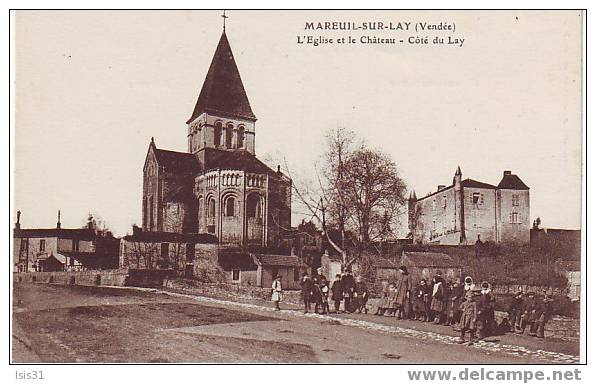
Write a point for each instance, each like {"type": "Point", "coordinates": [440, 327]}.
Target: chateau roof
{"type": "Point", "coordinates": [223, 91]}
{"type": "Point", "coordinates": [471, 183]}
{"type": "Point", "coordinates": [510, 181]}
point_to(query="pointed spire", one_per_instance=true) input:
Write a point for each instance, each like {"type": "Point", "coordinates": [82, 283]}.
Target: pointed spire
{"type": "Point", "coordinates": [223, 92]}
{"type": "Point", "coordinates": [458, 172]}
{"type": "Point", "coordinates": [414, 195]}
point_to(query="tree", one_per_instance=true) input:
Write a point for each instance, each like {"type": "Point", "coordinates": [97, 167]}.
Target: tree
{"type": "Point", "coordinates": [360, 191]}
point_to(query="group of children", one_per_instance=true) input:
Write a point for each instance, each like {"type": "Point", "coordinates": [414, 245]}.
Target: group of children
{"type": "Point", "coordinates": [442, 302]}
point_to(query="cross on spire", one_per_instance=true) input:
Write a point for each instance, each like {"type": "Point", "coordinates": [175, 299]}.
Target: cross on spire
{"type": "Point", "coordinates": [224, 19]}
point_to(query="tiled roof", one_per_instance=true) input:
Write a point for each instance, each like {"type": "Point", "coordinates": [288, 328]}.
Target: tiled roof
{"type": "Point", "coordinates": [63, 233]}
{"type": "Point", "coordinates": [385, 263]}
{"type": "Point", "coordinates": [278, 260]}
{"type": "Point", "coordinates": [229, 260]}
{"type": "Point", "coordinates": [569, 265]}
{"type": "Point", "coordinates": [510, 181]}
{"type": "Point", "coordinates": [471, 183]}
{"type": "Point", "coordinates": [223, 91]}
{"type": "Point", "coordinates": [430, 259]}
{"type": "Point", "coordinates": [239, 159]}
{"type": "Point", "coordinates": [179, 162]}
{"type": "Point", "coordinates": [171, 237]}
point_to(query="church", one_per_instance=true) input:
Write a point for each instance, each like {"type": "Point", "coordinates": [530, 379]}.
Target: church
{"type": "Point", "coordinates": [218, 186]}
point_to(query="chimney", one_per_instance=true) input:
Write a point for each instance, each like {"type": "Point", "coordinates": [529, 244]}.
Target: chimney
{"type": "Point", "coordinates": [506, 173]}
{"type": "Point", "coordinates": [17, 225]}
{"type": "Point", "coordinates": [58, 224]}
{"type": "Point", "coordinates": [440, 186]}
{"type": "Point", "coordinates": [278, 169]}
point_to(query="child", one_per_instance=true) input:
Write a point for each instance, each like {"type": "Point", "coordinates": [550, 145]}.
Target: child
{"type": "Point", "coordinates": [276, 292]}
{"type": "Point", "coordinates": [420, 301]}
{"type": "Point", "coordinates": [382, 305]}
{"type": "Point", "coordinates": [392, 300]}
{"type": "Point", "coordinates": [467, 322]}
{"type": "Point", "coordinates": [325, 295]}
{"type": "Point", "coordinates": [361, 295]}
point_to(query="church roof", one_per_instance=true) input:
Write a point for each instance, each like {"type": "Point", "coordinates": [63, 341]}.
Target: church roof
{"type": "Point", "coordinates": [510, 181]}
{"type": "Point", "coordinates": [223, 91]}
{"type": "Point", "coordinates": [180, 162]}
{"type": "Point", "coordinates": [239, 159]}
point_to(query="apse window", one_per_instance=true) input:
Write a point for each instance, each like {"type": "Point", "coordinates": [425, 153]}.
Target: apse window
{"type": "Point", "coordinates": [230, 205]}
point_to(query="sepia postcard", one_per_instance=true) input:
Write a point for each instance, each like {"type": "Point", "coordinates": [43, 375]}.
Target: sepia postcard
{"type": "Point", "coordinates": [297, 187]}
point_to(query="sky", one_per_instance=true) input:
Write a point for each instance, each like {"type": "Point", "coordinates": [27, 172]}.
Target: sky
{"type": "Point", "coordinates": [92, 88]}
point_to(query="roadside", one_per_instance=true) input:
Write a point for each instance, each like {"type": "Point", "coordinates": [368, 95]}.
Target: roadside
{"type": "Point", "coordinates": [516, 345]}
{"type": "Point", "coordinates": [54, 323]}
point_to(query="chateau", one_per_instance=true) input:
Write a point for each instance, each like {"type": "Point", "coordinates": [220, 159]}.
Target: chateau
{"type": "Point", "coordinates": [468, 210]}
{"type": "Point", "coordinates": [218, 186]}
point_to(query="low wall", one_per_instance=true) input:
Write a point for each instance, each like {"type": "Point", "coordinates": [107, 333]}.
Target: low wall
{"type": "Point", "coordinates": [230, 290]}
{"type": "Point", "coordinates": [116, 277]}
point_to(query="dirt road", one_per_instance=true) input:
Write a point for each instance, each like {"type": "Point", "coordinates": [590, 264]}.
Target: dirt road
{"type": "Point", "coordinates": [53, 323]}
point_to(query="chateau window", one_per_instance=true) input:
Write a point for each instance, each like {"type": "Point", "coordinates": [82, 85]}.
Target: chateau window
{"type": "Point", "coordinates": [513, 218]}
{"type": "Point", "coordinates": [515, 200]}
{"type": "Point", "coordinates": [42, 245]}
{"type": "Point", "coordinates": [477, 198]}
{"type": "Point", "coordinates": [211, 209]}
{"type": "Point", "coordinates": [235, 275]}
{"type": "Point", "coordinates": [444, 201]}
{"type": "Point", "coordinates": [240, 138]}
{"type": "Point", "coordinates": [434, 204]}
{"type": "Point", "coordinates": [230, 206]}
{"type": "Point", "coordinates": [229, 130]}
{"type": "Point", "coordinates": [217, 134]}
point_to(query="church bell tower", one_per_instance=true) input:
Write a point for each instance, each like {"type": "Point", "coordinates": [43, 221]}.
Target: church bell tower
{"type": "Point", "coordinates": [222, 117]}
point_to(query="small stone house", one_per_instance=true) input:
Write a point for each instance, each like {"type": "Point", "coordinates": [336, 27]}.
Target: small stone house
{"type": "Point", "coordinates": [330, 265]}
{"type": "Point", "coordinates": [423, 265]}
{"type": "Point", "coordinates": [259, 269]}
{"type": "Point", "coordinates": [572, 271]}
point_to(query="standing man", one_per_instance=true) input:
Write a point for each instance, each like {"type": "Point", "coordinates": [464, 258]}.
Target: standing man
{"type": "Point", "coordinates": [486, 310]}
{"type": "Point", "coordinates": [516, 309]}
{"type": "Point", "coordinates": [403, 287]}
{"type": "Point", "coordinates": [337, 294]}
{"type": "Point", "coordinates": [348, 286]}
{"type": "Point", "coordinates": [307, 286]}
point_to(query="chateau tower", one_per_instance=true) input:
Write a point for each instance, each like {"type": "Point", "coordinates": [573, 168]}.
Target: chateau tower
{"type": "Point", "coordinates": [222, 117]}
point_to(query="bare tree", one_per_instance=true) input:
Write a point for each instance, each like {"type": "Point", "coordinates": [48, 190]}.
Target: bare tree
{"type": "Point", "coordinates": [359, 191]}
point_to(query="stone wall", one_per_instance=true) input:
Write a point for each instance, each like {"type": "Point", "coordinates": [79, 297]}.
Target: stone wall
{"type": "Point", "coordinates": [116, 277]}
{"type": "Point", "coordinates": [230, 290]}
